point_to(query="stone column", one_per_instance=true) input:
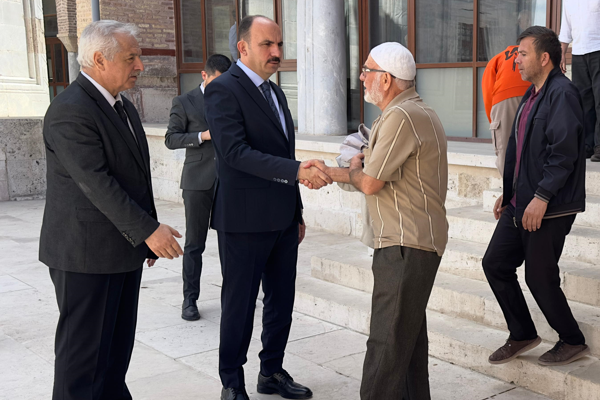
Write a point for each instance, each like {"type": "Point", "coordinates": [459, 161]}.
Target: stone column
{"type": "Point", "coordinates": [322, 72]}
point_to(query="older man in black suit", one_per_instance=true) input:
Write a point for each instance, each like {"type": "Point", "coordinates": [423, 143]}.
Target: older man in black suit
{"type": "Point", "coordinates": [100, 221]}
{"type": "Point", "coordinates": [257, 209]}
{"type": "Point", "coordinates": [188, 130]}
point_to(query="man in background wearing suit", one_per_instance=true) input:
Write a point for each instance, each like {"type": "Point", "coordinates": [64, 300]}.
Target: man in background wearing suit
{"type": "Point", "coordinates": [100, 221]}
{"type": "Point", "coordinates": [257, 210]}
{"type": "Point", "coordinates": [188, 130]}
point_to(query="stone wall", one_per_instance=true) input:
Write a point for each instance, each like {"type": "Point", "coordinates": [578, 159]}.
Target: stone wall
{"type": "Point", "coordinates": [157, 85]}
{"type": "Point", "coordinates": [22, 159]}
{"type": "Point", "coordinates": [471, 171]}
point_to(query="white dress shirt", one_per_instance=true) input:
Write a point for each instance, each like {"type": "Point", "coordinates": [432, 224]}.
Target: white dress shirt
{"type": "Point", "coordinates": [257, 80]}
{"type": "Point", "coordinates": [200, 133]}
{"type": "Point", "coordinates": [581, 25]}
{"type": "Point", "coordinates": [111, 100]}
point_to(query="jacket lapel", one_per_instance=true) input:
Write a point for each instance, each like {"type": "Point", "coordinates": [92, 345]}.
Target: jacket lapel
{"type": "Point", "coordinates": [256, 95]}
{"type": "Point", "coordinates": [289, 122]}
{"type": "Point", "coordinates": [113, 117]}
{"type": "Point", "coordinates": [140, 135]}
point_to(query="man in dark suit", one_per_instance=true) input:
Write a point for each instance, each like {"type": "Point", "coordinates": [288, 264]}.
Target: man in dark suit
{"type": "Point", "coordinates": [100, 221]}
{"type": "Point", "coordinates": [188, 130]}
{"type": "Point", "coordinates": [257, 209]}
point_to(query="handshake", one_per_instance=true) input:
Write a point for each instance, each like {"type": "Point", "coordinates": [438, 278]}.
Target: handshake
{"type": "Point", "coordinates": [314, 174]}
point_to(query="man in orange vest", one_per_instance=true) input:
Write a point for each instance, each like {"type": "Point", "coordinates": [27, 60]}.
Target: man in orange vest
{"type": "Point", "coordinates": [502, 89]}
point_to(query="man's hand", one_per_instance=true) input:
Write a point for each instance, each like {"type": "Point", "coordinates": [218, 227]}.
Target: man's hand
{"type": "Point", "coordinates": [356, 161]}
{"type": "Point", "coordinates": [320, 164]}
{"type": "Point", "coordinates": [533, 215]}
{"type": "Point", "coordinates": [498, 209]}
{"type": "Point", "coordinates": [205, 136]}
{"type": "Point", "coordinates": [313, 175]}
{"type": "Point", "coordinates": [301, 233]}
{"type": "Point", "coordinates": [150, 262]}
{"type": "Point", "coordinates": [563, 64]}
{"type": "Point", "coordinates": [162, 242]}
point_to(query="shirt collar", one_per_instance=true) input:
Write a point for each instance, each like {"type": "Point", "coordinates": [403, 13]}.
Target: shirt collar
{"type": "Point", "coordinates": [109, 97]}
{"type": "Point", "coordinates": [405, 95]}
{"type": "Point", "coordinates": [257, 80]}
{"type": "Point", "coordinates": [202, 87]}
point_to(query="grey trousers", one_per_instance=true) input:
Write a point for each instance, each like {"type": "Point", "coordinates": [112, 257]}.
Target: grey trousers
{"type": "Point", "coordinates": [396, 361]}
{"type": "Point", "coordinates": [503, 115]}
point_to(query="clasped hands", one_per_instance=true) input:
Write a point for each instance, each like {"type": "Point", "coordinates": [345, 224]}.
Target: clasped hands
{"type": "Point", "coordinates": [314, 174]}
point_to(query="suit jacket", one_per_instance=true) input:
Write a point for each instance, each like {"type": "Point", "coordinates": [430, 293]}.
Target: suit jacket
{"type": "Point", "coordinates": [99, 203]}
{"type": "Point", "coordinates": [256, 188]}
{"type": "Point", "coordinates": [186, 121]}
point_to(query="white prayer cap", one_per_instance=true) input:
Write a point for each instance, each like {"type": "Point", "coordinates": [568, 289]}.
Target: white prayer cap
{"type": "Point", "coordinates": [394, 58]}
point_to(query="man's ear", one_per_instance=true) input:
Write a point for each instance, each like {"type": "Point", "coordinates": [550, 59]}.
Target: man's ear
{"type": "Point", "coordinates": [99, 61]}
{"type": "Point", "coordinates": [242, 47]}
{"type": "Point", "coordinates": [204, 75]}
{"type": "Point", "coordinates": [545, 59]}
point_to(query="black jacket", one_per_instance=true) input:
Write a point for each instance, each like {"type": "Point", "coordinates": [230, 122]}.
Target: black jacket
{"type": "Point", "coordinates": [99, 204]}
{"type": "Point", "coordinates": [256, 189]}
{"type": "Point", "coordinates": [553, 157]}
{"type": "Point", "coordinates": [186, 121]}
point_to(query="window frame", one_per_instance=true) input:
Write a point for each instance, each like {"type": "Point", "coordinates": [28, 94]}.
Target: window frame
{"type": "Point", "coordinates": [553, 16]}
{"type": "Point", "coordinates": [289, 65]}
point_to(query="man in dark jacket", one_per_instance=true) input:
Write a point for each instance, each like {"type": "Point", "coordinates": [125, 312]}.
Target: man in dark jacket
{"type": "Point", "coordinates": [544, 188]}
{"type": "Point", "coordinates": [100, 220]}
{"type": "Point", "coordinates": [188, 130]}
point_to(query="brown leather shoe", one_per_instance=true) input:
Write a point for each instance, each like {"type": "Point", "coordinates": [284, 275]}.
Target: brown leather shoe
{"type": "Point", "coordinates": [563, 353]}
{"type": "Point", "coordinates": [512, 349]}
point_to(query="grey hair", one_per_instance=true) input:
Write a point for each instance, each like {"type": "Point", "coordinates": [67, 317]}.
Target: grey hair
{"type": "Point", "coordinates": [404, 85]}
{"type": "Point", "coordinates": [100, 36]}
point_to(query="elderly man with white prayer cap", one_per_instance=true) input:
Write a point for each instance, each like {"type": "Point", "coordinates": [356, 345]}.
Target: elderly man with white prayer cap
{"type": "Point", "coordinates": [404, 179]}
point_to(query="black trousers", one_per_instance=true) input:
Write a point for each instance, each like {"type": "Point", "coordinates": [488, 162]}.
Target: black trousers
{"type": "Point", "coordinates": [586, 76]}
{"type": "Point", "coordinates": [197, 204]}
{"type": "Point", "coordinates": [541, 251]}
{"type": "Point", "coordinates": [396, 363]}
{"type": "Point", "coordinates": [247, 259]}
{"type": "Point", "coordinates": [95, 334]}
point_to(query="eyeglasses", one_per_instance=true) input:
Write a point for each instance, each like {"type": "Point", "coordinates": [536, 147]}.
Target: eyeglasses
{"type": "Point", "coordinates": [365, 70]}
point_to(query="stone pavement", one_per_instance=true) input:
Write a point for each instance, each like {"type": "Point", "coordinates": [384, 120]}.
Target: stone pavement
{"type": "Point", "coordinates": [175, 359]}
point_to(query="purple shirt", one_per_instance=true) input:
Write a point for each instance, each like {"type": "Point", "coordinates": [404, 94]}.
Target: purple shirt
{"type": "Point", "coordinates": [521, 134]}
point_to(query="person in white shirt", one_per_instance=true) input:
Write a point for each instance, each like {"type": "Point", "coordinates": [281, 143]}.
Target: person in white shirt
{"type": "Point", "coordinates": [581, 26]}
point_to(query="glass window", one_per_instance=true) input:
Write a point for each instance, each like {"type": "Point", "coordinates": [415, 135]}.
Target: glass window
{"type": "Point", "coordinates": [501, 22]}
{"type": "Point", "coordinates": [220, 19]}
{"type": "Point", "coordinates": [50, 25]}
{"type": "Point", "coordinates": [444, 31]}
{"type": "Point", "coordinates": [189, 82]}
{"type": "Point", "coordinates": [257, 7]}
{"type": "Point", "coordinates": [388, 22]}
{"type": "Point", "coordinates": [289, 14]}
{"type": "Point", "coordinates": [191, 31]}
{"type": "Point", "coordinates": [483, 124]}
{"type": "Point", "coordinates": [288, 81]}
{"type": "Point", "coordinates": [449, 91]}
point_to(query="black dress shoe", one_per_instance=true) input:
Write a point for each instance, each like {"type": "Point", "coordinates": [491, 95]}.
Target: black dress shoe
{"type": "Point", "coordinates": [282, 384]}
{"type": "Point", "coordinates": [589, 152]}
{"type": "Point", "coordinates": [596, 156]}
{"type": "Point", "coordinates": [189, 311]}
{"type": "Point", "coordinates": [234, 394]}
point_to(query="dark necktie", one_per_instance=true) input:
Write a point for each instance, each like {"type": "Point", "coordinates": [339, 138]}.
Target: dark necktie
{"type": "Point", "coordinates": [121, 111]}
{"type": "Point", "coordinates": [265, 88]}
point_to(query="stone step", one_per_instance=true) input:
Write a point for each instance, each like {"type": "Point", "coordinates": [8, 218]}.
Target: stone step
{"type": "Point", "coordinates": [455, 295]}
{"type": "Point", "coordinates": [352, 268]}
{"type": "Point", "coordinates": [589, 218]}
{"type": "Point", "coordinates": [475, 225]}
{"type": "Point", "coordinates": [456, 340]}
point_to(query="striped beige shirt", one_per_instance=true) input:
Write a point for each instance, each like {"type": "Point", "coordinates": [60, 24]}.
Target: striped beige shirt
{"type": "Point", "coordinates": [408, 150]}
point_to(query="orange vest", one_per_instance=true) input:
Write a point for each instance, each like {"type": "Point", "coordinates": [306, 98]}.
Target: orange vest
{"type": "Point", "coordinates": [502, 80]}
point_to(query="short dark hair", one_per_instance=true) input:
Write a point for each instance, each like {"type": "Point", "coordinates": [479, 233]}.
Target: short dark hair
{"type": "Point", "coordinates": [217, 63]}
{"type": "Point", "coordinates": [544, 41]}
{"type": "Point", "coordinates": [246, 24]}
